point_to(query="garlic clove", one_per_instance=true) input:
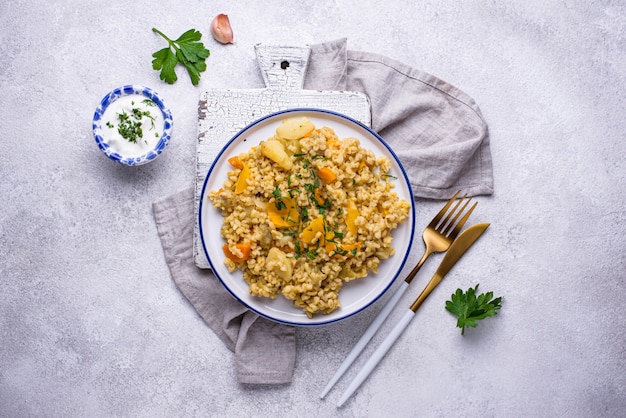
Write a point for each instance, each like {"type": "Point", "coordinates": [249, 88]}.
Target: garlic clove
{"type": "Point", "coordinates": [221, 30]}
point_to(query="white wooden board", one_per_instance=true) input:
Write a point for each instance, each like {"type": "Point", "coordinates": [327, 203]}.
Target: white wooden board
{"type": "Point", "coordinates": [224, 112]}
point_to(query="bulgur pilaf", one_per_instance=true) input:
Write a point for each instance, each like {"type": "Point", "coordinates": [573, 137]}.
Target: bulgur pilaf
{"type": "Point", "coordinates": [304, 212]}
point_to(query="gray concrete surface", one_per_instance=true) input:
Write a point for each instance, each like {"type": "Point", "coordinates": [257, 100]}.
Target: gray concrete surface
{"type": "Point", "coordinates": [91, 324]}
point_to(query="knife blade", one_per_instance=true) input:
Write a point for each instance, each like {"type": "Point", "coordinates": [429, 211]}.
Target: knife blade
{"type": "Point", "coordinates": [456, 251]}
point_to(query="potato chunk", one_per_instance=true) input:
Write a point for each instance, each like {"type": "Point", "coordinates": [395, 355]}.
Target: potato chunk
{"type": "Point", "coordinates": [278, 262]}
{"type": "Point", "coordinates": [275, 151]}
{"type": "Point", "coordinates": [295, 128]}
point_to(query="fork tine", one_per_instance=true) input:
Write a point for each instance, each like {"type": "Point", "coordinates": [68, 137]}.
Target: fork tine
{"type": "Point", "coordinates": [447, 225]}
{"type": "Point", "coordinates": [443, 211]}
{"type": "Point", "coordinates": [459, 226]}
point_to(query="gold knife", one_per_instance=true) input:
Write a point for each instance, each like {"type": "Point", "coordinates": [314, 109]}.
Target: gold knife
{"type": "Point", "coordinates": [456, 251]}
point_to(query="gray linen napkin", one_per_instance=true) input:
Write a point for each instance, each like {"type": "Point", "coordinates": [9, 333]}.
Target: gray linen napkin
{"type": "Point", "coordinates": [436, 130]}
{"type": "Point", "coordinates": [265, 351]}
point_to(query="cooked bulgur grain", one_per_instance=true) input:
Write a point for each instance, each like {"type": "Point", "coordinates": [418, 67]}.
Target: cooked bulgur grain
{"type": "Point", "coordinates": [305, 212]}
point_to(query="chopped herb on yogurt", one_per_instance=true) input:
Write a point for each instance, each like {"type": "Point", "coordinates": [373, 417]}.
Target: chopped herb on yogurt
{"type": "Point", "coordinates": [130, 126]}
{"type": "Point", "coordinates": [133, 125]}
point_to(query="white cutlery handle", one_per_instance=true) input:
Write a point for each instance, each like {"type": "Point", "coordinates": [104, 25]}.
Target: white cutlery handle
{"type": "Point", "coordinates": [366, 337]}
{"type": "Point", "coordinates": [377, 356]}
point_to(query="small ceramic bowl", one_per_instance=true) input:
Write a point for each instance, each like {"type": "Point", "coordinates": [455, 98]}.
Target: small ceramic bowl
{"type": "Point", "coordinates": [131, 125]}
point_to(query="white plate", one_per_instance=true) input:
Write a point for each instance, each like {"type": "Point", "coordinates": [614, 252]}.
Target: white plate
{"type": "Point", "coordinates": [354, 296]}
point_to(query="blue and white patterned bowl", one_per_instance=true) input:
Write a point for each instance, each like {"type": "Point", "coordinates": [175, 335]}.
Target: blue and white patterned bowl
{"type": "Point", "coordinates": [160, 144]}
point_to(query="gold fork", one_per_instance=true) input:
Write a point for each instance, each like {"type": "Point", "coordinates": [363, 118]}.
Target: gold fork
{"type": "Point", "coordinates": [440, 232]}
{"type": "Point", "coordinates": [438, 237]}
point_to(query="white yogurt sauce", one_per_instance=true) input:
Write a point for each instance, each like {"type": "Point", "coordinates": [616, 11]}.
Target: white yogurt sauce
{"type": "Point", "coordinates": [151, 125]}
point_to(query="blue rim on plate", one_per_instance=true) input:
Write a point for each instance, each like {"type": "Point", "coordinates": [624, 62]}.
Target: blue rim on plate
{"type": "Point", "coordinates": [355, 296]}
{"type": "Point", "coordinates": [126, 91]}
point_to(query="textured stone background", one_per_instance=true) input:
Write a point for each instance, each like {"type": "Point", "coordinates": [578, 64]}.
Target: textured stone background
{"type": "Point", "coordinates": [92, 325]}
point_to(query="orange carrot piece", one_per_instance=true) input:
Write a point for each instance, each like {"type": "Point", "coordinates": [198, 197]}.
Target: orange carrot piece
{"type": "Point", "coordinates": [351, 215]}
{"type": "Point", "coordinates": [242, 180]}
{"type": "Point", "coordinates": [326, 175]}
{"type": "Point", "coordinates": [235, 162]}
{"type": "Point", "coordinates": [245, 249]}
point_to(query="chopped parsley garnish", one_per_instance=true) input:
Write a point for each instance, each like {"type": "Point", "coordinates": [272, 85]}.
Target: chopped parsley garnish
{"type": "Point", "coordinates": [277, 193]}
{"type": "Point", "coordinates": [304, 214]}
{"type": "Point", "coordinates": [130, 126]}
{"type": "Point", "coordinates": [298, 250]}
{"type": "Point", "coordinates": [278, 196]}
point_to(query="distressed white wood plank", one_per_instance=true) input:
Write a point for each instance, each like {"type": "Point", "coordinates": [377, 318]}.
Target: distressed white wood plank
{"type": "Point", "coordinates": [224, 112]}
{"type": "Point", "coordinates": [283, 66]}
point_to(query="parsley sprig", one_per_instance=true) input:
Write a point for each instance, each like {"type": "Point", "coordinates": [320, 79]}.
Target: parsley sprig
{"type": "Point", "coordinates": [469, 308]}
{"type": "Point", "coordinates": [188, 50]}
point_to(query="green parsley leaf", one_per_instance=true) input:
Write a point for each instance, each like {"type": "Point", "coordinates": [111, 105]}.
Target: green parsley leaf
{"type": "Point", "coordinates": [311, 254]}
{"type": "Point", "coordinates": [469, 308]}
{"type": "Point", "coordinates": [304, 214]}
{"type": "Point", "coordinates": [187, 50]}
{"type": "Point", "coordinates": [278, 199]}
{"type": "Point", "coordinates": [277, 193]}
